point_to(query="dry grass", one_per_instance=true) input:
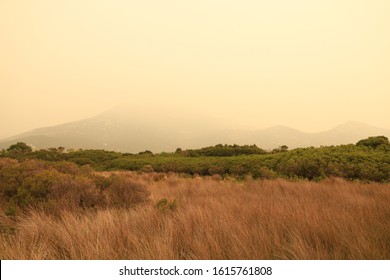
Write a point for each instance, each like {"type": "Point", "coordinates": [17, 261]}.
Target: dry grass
{"type": "Point", "coordinates": [215, 219]}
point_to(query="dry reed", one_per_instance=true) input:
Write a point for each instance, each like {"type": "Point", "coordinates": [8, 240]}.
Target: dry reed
{"type": "Point", "coordinates": [215, 219]}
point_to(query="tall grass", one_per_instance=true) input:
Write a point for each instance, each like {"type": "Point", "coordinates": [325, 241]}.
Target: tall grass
{"type": "Point", "coordinates": [209, 218]}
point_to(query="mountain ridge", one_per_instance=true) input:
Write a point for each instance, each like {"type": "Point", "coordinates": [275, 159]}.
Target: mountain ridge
{"type": "Point", "coordinates": [129, 132]}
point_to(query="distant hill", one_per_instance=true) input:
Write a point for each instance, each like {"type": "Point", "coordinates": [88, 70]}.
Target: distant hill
{"type": "Point", "coordinates": [123, 130]}
{"type": "Point", "coordinates": [276, 136]}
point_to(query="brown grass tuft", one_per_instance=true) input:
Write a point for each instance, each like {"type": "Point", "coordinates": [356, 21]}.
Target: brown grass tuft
{"type": "Point", "coordinates": [213, 219]}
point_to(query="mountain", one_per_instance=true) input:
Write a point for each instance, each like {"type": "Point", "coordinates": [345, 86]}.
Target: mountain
{"type": "Point", "coordinates": [120, 129]}
{"type": "Point", "coordinates": [350, 132]}
{"type": "Point", "coordinates": [130, 131]}
{"type": "Point", "coordinates": [276, 136]}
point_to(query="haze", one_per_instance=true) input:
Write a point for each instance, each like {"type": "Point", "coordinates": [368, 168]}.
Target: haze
{"type": "Point", "coordinates": [245, 64]}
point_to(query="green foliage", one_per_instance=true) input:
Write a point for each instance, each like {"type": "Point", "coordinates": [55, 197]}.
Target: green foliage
{"type": "Point", "coordinates": [49, 155]}
{"type": "Point", "coordinates": [57, 186]}
{"type": "Point", "coordinates": [280, 149]}
{"type": "Point", "coordinates": [369, 160]}
{"type": "Point", "coordinates": [223, 151]}
{"type": "Point", "coordinates": [347, 161]}
{"type": "Point", "coordinates": [20, 147]}
{"type": "Point", "coordinates": [146, 152]}
{"type": "Point", "coordinates": [374, 142]}
{"type": "Point", "coordinates": [81, 161]}
{"type": "Point", "coordinates": [95, 156]}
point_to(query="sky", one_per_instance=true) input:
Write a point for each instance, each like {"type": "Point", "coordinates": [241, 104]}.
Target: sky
{"type": "Point", "coordinates": [307, 64]}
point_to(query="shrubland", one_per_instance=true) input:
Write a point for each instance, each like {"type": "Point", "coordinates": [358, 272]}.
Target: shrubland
{"type": "Point", "coordinates": [310, 203]}
{"type": "Point", "coordinates": [58, 186]}
{"type": "Point", "coordinates": [368, 160]}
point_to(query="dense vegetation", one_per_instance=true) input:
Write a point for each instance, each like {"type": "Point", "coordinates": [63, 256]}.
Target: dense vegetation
{"type": "Point", "coordinates": [57, 204]}
{"type": "Point", "coordinates": [58, 186]}
{"type": "Point", "coordinates": [368, 160]}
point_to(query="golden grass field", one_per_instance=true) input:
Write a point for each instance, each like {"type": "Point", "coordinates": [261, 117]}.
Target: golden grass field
{"type": "Point", "coordinates": [210, 218]}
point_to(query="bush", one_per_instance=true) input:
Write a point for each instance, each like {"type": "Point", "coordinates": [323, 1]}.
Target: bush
{"type": "Point", "coordinates": [81, 161]}
{"type": "Point", "coordinates": [20, 147]}
{"type": "Point", "coordinates": [374, 142]}
{"type": "Point", "coordinates": [64, 186]}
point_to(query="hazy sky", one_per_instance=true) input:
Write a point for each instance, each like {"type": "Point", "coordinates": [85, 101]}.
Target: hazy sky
{"type": "Point", "coordinates": [308, 64]}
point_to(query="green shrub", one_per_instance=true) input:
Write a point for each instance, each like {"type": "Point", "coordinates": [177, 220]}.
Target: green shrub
{"type": "Point", "coordinates": [61, 186]}
{"type": "Point", "coordinates": [374, 142]}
